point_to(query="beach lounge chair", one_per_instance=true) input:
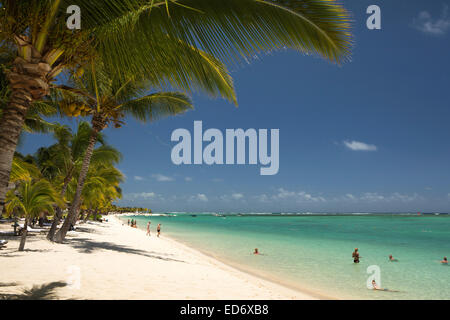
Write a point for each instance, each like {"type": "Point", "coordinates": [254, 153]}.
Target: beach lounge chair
{"type": "Point", "coordinates": [3, 244]}
{"type": "Point", "coordinates": [30, 229]}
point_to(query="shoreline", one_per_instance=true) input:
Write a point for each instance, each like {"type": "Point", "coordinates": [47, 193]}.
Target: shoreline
{"type": "Point", "coordinates": [237, 268]}
{"type": "Point", "coordinates": [113, 261]}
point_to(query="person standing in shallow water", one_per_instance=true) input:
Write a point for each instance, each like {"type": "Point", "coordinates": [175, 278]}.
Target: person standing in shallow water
{"type": "Point", "coordinates": [355, 256]}
{"type": "Point", "coordinates": [148, 228]}
{"type": "Point", "coordinates": [158, 229]}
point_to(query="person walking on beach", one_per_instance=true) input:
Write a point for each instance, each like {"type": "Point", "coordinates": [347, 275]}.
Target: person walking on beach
{"type": "Point", "coordinates": [148, 228]}
{"type": "Point", "coordinates": [355, 256]}
{"type": "Point", "coordinates": [128, 221]}
{"type": "Point", "coordinates": [158, 229]}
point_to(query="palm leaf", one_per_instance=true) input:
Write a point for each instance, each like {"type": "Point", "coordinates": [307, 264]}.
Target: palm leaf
{"type": "Point", "coordinates": [157, 105]}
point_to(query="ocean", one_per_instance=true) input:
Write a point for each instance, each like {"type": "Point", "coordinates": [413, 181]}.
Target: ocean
{"type": "Point", "coordinates": [313, 252]}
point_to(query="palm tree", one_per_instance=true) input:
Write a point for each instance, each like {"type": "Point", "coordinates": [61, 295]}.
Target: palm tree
{"type": "Point", "coordinates": [34, 122]}
{"type": "Point", "coordinates": [159, 40]}
{"type": "Point", "coordinates": [30, 199]}
{"type": "Point", "coordinates": [101, 188]}
{"type": "Point", "coordinates": [60, 162]}
{"type": "Point", "coordinates": [109, 100]}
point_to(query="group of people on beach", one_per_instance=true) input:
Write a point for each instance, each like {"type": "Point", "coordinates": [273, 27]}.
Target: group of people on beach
{"type": "Point", "coordinates": [158, 229]}
{"type": "Point", "coordinates": [133, 224]}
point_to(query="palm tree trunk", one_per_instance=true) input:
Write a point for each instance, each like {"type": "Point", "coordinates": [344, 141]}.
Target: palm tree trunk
{"type": "Point", "coordinates": [98, 123]}
{"type": "Point", "coordinates": [87, 215]}
{"type": "Point", "coordinates": [58, 214]}
{"type": "Point", "coordinates": [12, 120]}
{"type": "Point", "coordinates": [24, 235]}
{"type": "Point", "coordinates": [27, 81]}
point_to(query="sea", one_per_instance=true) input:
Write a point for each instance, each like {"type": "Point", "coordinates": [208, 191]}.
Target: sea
{"type": "Point", "coordinates": [312, 252]}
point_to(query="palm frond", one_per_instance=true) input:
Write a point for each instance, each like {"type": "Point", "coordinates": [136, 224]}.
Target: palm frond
{"type": "Point", "coordinates": [233, 31]}
{"type": "Point", "coordinates": [157, 105]}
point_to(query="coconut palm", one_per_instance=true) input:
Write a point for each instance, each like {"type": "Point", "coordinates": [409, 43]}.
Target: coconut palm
{"type": "Point", "coordinates": [108, 100]}
{"type": "Point", "coordinates": [158, 40]}
{"type": "Point", "coordinates": [30, 199]}
{"type": "Point", "coordinates": [60, 162]}
{"type": "Point", "coordinates": [34, 122]}
{"type": "Point", "coordinates": [101, 188]}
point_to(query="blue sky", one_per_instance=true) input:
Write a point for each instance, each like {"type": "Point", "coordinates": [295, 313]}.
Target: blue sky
{"type": "Point", "coordinates": [371, 135]}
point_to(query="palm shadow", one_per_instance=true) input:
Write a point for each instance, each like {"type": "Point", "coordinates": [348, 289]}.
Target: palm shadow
{"type": "Point", "coordinates": [37, 292]}
{"type": "Point", "coordinates": [85, 245]}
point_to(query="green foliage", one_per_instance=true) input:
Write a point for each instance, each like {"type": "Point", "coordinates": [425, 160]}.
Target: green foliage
{"type": "Point", "coordinates": [32, 197]}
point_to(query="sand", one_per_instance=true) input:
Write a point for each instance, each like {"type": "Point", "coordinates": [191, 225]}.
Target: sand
{"type": "Point", "coordinates": [113, 261]}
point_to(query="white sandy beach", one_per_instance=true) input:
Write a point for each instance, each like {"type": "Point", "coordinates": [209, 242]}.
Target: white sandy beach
{"type": "Point", "coordinates": [119, 262]}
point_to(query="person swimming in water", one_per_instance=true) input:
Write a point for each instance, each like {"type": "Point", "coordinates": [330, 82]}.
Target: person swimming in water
{"type": "Point", "coordinates": [355, 256]}
{"type": "Point", "coordinates": [444, 261]}
{"type": "Point", "coordinates": [256, 251]}
{"type": "Point", "coordinates": [375, 287]}
{"type": "Point", "coordinates": [391, 258]}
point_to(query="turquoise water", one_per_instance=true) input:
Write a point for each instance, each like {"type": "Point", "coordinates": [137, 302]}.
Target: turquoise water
{"type": "Point", "coordinates": [313, 253]}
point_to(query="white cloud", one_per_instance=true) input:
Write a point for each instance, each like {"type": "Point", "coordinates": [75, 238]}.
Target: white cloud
{"type": "Point", "coordinates": [138, 178]}
{"type": "Point", "coordinates": [360, 146]}
{"type": "Point", "coordinates": [372, 196]}
{"type": "Point", "coordinates": [262, 198]}
{"type": "Point", "coordinates": [426, 24]}
{"type": "Point", "coordinates": [350, 196]}
{"type": "Point", "coordinates": [162, 178]}
{"type": "Point", "coordinates": [237, 196]}
{"type": "Point", "coordinates": [188, 179]}
{"type": "Point", "coordinates": [147, 195]}
{"type": "Point", "coordinates": [403, 197]}
{"type": "Point", "coordinates": [142, 195]}
{"type": "Point", "coordinates": [202, 197]}
{"type": "Point", "coordinates": [298, 196]}
{"type": "Point", "coordinates": [394, 197]}
{"type": "Point", "coordinates": [231, 197]}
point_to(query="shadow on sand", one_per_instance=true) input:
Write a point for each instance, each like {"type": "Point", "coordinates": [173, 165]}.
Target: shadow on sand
{"type": "Point", "coordinates": [37, 292]}
{"type": "Point", "coordinates": [85, 245]}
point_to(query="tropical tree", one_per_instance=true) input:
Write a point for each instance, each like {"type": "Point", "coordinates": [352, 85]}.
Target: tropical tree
{"type": "Point", "coordinates": [60, 162]}
{"type": "Point", "coordinates": [34, 121]}
{"type": "Point", "coordinates": [158, 40]}
{"type": "Point", "coordinates": [108, 100]}
{"type": "Point", "coordinates": [31, 198]}
{"type": "Point", "coordinates": [101, 188]}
